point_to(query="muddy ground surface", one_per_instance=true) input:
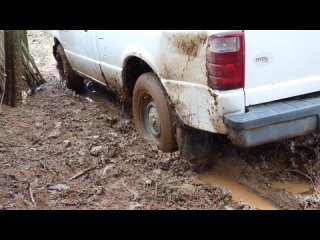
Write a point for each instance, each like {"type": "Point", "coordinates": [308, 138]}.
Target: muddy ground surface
{"type": "Point", "coordinates": [65, 151]}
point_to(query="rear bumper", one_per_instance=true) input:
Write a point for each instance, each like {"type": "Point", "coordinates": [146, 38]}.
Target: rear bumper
{"type": "Point", "coordinates": [274, 121]}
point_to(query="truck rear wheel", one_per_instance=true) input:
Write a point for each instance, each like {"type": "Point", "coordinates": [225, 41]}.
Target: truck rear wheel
{"type": "Point", "coordinates": [66, 73]}
{"type": "Point", "coordinates": [151, 113]}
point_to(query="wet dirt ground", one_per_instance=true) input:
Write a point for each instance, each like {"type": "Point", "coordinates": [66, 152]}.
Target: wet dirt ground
{"type": "Point", "coordinates": [65, 151]}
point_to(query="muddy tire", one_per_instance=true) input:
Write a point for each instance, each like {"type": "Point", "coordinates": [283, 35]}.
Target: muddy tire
{"type": "Point", "coordinates": [152, 114]}
{"type": "Point", "coordinates": [198, 146]}
{"type": "Point", "coordinates": [67, 75]}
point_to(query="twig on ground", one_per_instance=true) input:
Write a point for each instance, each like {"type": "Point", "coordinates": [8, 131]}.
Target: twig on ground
{"type": "Point", "coordinates": [15, 157]}
{"type": "Point", "coordinates": [31, 194]}
{"type": "Point", "coordinates": [156, 191]}
{"type": "Point", "coordinates": [306, 175]}
{"type": "Point", "coordinates": [3, 163]}
{"type": "Point", "coordinates": [293, 170]}
{"type": "Point", "coordinates": [129, 190]}
{"type": "Point", "coordinates": [155, 182]}
{"type": "Point", "coordinates": [142, 173]}
{"type": "Point", "coordinates": [82, 172]}
{"type": "Point", "coordinates": [15, 145]}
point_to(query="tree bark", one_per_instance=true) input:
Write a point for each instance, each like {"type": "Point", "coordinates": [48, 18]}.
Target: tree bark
{"type": "Point", "coordinates": [22, 74]}
{"type": "Point", "coordinates": [14, 68]}
{"type": "Point", "coordinates": [24, 38]}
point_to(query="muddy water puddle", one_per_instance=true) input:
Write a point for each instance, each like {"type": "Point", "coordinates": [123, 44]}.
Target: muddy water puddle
{"type": "Point", "coordinates": [242, 193]}
{"type": "Point", "coordinates": [295, 188]}
{"type": "Point", "coordinates": [105, 100]}
{"type": "Point", "coordinates": [239, 193]}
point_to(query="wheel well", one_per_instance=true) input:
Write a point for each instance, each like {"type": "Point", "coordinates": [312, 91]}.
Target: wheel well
{"type": "Point", "coordinates": [134, 67]}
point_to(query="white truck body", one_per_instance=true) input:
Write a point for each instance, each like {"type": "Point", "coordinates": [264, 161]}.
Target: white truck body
{"type": "Point", "coordinates": [277, 65]}
{"type": "Point", "coordinates": [292, 69]}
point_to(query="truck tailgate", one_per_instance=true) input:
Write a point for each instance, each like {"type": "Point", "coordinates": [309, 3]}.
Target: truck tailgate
{"type": "Point", "coordinates": [281, 64]}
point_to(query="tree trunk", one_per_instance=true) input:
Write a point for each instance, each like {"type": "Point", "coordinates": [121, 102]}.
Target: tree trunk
{"type": "Point", "coordinates": [24, 38]}
{"type": "Point", "coordinates": [22, 75]}
{"type": "Point", "coordinates": [14, 68]}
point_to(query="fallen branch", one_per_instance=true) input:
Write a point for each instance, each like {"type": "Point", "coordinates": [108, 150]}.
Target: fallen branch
{"type": "Point", "coordinates": [31, 194]}
{"type": "Point", "coordinates": [83, 172]}
{"type": "Point", "coordinates": [293, 170]}
{"type": "Point", "coordinates": [307, 176]}
{"type": "Point", "coordinates": [36, 73]}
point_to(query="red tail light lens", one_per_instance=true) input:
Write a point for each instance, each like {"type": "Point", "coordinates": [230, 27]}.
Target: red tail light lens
{"type": "Point", "coordinates": [225, 61]}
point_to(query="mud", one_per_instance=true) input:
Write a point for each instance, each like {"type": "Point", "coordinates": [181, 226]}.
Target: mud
{"type": "Point", "coordinates": [295, 188]}
{"type": "Point", "coordinates": [188, 44]}
{"type": "Point", "coordinates": [239, 193]}
{"type": "Point", "coordinates": [113, 83]}
{"type": "Point", "coordinates": [183, 57]}
{"type": "Point", "coordinates": [258, 169]}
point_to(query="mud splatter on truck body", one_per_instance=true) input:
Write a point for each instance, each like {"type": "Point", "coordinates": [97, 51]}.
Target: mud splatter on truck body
{"type": "Point", "coordinates": [183, 56]}
{"type": "Point", "coordinates": [182, 69]}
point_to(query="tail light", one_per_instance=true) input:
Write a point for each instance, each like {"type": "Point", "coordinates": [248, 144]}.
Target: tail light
{"type": "Point", "coordinates": [225, 61]}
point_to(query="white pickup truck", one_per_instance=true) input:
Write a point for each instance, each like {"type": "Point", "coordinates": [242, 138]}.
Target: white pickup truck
{"type": "Point", "coordinates": [253, 86]}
